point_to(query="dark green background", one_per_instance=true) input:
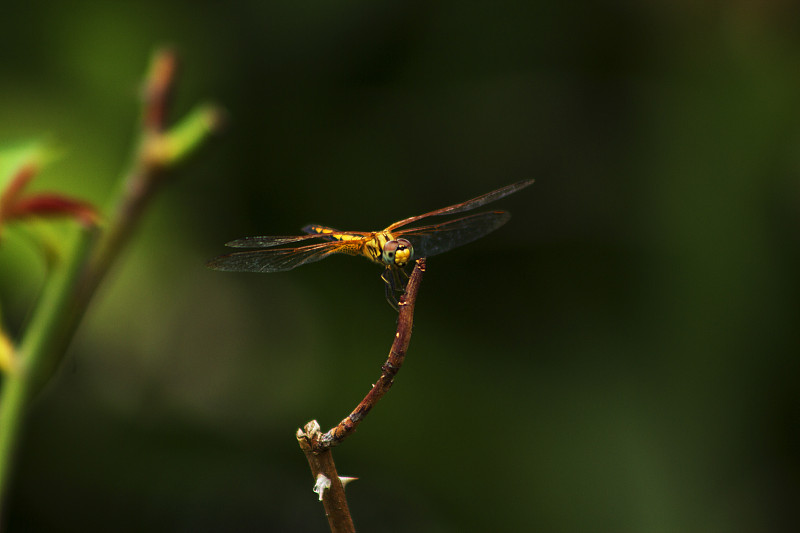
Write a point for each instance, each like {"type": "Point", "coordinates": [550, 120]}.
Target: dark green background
{"type": "Point", "coordinates": [622, 356]}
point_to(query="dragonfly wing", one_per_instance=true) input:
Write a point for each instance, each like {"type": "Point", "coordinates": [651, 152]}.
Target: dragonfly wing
{"type": "Point", "coordinates": [273, 260]}
{"type": "Point", "coordinates": [439, 238]}
{"type": "Point", "coordinates": [266, 242]}
{"type": "Point", "coordinates": [469, 204]}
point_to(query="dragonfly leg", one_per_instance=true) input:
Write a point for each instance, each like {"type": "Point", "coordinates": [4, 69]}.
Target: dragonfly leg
{"type": "Point", "coordinates": [388, 287]}
{"type": "Point", "coordinates": [405, 277]}
{"type": "Point", "coordinates": [395, 282]}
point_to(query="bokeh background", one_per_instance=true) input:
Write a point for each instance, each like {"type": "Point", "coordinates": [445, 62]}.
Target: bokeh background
{"type": "Point", "coordinates": [622, 356]}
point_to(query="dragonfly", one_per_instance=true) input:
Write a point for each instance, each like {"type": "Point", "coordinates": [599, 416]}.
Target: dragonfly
{"type": "Point", "coordinates": [394, 247]}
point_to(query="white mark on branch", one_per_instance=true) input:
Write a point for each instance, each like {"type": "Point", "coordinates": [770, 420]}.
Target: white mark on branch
{"type": "Point", "coordinates": [322, 483]}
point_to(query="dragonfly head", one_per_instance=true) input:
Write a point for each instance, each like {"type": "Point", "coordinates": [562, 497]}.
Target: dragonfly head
{"type": "Point", "coordinates": [397, 252]}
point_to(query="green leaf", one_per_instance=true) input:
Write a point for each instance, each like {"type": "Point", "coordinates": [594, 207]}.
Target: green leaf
{"type": "Point", "coordinates": [16, 155]}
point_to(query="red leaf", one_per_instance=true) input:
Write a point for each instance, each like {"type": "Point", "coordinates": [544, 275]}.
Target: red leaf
{"type": "Point", "coordinates": [53, 205]}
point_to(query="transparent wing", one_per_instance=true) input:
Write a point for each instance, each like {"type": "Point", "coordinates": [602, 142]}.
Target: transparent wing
{"type": "Point", "coordinates": [274, 260]}
{"type": "Point", "coordinates": [466, 206]}
{"type": "Point", "coordinates": [439, 238]}
{"type": "Point", "coordinates": [266, 242]}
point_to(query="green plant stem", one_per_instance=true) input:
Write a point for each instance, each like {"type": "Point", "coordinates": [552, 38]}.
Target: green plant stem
{"type": "Point", "coordinates": [69, 289]}
{"type": "Point", "coordinates": [49, 329]}
{"type": "Point", "coordinates": [65, 299]}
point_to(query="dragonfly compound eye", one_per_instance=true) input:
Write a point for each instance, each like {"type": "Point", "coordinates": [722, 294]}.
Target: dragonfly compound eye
{"type": "Point", "coordinates": [397, 252]}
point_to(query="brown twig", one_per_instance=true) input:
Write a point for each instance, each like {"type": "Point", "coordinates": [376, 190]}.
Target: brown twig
{"type": "Point", "coordinates": [390, 368]}
{"type": "Point", "coordinates": [329, 487]}
{"type": "Point", "coordinates": [317, 446]}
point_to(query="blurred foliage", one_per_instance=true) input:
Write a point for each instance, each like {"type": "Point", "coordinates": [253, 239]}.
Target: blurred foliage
{"type": "Point", "coordinates": [622, 356]}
